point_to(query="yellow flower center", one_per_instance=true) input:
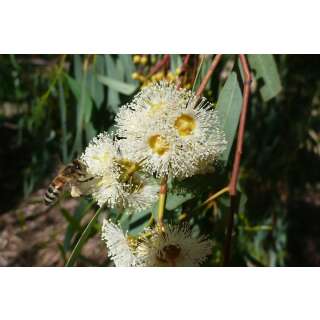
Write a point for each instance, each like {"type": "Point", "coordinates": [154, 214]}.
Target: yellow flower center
{"type": "Point", "coordinates": [155, 107]}
{"type": "Point", "coordinates": [158, 144]}
{"type": "Point", "coordinates": [128, 169]}
{"type": "Point", "coordinates": [185, 124]}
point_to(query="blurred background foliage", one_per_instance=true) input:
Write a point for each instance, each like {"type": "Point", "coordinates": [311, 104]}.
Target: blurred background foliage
{"type": "Point", "coordinates": [52, 105]}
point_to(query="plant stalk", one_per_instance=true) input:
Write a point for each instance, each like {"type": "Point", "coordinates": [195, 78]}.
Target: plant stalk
{"type": "Point", "coordinates": [162, 200]}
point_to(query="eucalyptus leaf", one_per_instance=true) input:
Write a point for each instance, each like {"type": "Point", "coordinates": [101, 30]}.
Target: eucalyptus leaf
{"type": "Point", "coordinates": [265, 68]}
{"type": "Point", "coordinates": [173, 200]}
{"type": "Point", "coordinates": [229, 109]}
{"type": "Point", "coordinates": [175, 62]}
{"type": "Point", "coordinates": [95, 87]}
{"type": "Point", "coordinates": [139, 221]}
{"type": "Point", "coordinates": [129, 68]}
{"type": "Point", "coordinates": [119, 86]}
{"type": "Point", "coordinates": [113, 100]}
{"type": "Point", "coordinates": [77, 66]}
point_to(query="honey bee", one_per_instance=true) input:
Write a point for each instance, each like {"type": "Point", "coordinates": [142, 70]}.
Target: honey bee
{"type": "Point", "coordinates": [73, 174]}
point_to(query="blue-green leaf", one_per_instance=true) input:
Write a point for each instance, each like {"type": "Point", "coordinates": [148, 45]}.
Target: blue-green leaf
{"type": "Point", "coordinates": [113, 95]}
{"type": "Point", "coordinates": [139, 221]}
{"type": "Point", "coordinates": [173, 200]}
{"type": "Point", "coordinates": [265, 68]}
{"type": "Point", "coordinates": [119, 86]}
{"type": "Point", "coordinates": [229, 109]}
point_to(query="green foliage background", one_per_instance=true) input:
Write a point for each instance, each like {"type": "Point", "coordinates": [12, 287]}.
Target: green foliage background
{"type": "Point", "coordinates": [51, 106]}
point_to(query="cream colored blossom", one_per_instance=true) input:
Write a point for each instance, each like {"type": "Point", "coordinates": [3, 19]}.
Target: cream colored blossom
{"type": "Point", "coordinates": [118, 181]}
{"type": "Point", "coordinates": [173, 246]}
{"type": "Point", "coordinates": [118, 245]}
{"type": "Point", "coordinates": [171, 131]}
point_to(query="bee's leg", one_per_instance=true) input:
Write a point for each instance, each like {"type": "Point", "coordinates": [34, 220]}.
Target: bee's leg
{"type": "Point", "coordinates": [84, 179]}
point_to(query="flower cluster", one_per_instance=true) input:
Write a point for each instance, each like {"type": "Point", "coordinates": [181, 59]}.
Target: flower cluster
{"type": "Point", "coordinates": [118, 180]}
{"type": "Point", "coordinates": [170, 131]}
{"type": "Point", "coordinates": [163, 132]}
{"type": "Point", "coordinates": [169, 246]}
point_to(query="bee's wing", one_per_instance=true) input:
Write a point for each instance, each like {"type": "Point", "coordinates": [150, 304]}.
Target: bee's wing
{"type": "Point", "coordinates": [82, 187]}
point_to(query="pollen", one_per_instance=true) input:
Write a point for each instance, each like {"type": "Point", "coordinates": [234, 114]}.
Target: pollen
{"type": "Point", "coordinates": [128, 168]}
{"type": "Point", "coordinates": [158, 144]}
{"type": "Point", "coordinates": [185, 124]}
{"type": "Point", "coordinates": [154, 107]}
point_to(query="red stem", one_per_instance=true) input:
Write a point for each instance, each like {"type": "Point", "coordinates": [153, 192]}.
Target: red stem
{"type": "Point", "coordinates": [205, 80]}
{"type": "Point", "coordinates": [160, 64]}
{"type": "Point", "coordinates": [237, 159]}
{"type": "Point", "coordinates": [242, 123]}
{"type": "Point", "coordinates": [184, 68]}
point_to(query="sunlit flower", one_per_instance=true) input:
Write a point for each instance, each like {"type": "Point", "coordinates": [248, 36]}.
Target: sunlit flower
{"type": "Point", "coordinates": [152, 104]}
{"type": "Point", "coordinates": [172, 246]}
{"type": "Point", "coordinates": [134, 196]}
{"type": "Point", "coordinates": [99, 155]}
{"type": "Point", "coordinates": [118, 245]}
{"type": "Point", "coordinates": [170, 131]}
{"type": "Point", "coordinates": [118, 181]}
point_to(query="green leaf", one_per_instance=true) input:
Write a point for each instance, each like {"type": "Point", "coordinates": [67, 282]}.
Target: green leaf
{"type": "Point", "coordinates": [73, 222]}
{"type": "Point", "coordinates": [80, 211]}
{"type": "Point", "coordinates": [129, 68]}
{"type": "Point", "coordinates": [113, 100]}
{"type": "Point", "coordinates": [119, 86]}
{"type": "Point", "coordinates": [229, 109]}
{"type": "Point", "coordinates": [175, 62]}
{"type": "Point", "coordinates": [265, 68]}
{"type": "Point", "coordinates": [63, 120]}
{"type": "Point", "coordinates": [138, 222]}
{"type": "Point", "coordinates": [77, 66]}
{"type": "Point", "coordinates": [77, 249]}
{"type": "Point", "coordinates": [95, 87]}
{"type": "Point", "coordinates": [173, 200]}
{"type": "Point", "coordinates": [84, 108]}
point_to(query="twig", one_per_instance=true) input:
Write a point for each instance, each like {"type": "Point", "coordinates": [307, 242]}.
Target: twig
{"type": "Point", "coordinates": [236, 162]}
{"type": "Point", "coordinates": [159, 65]}
{"type": "Point", "coordinates": [162, 200]}
{"type": "Point", "coordinates": [205, 80]}
{"type": "Point", "coordinates": [216, 195]}
{"type": "Point", "coordinates": [227, 242]}
{"type": "Point", "coordinates": [185, 63]}
{"type": "Point", "coordinates": [242, 123]}
{"type": "Point", "coordinates": [183, 69]}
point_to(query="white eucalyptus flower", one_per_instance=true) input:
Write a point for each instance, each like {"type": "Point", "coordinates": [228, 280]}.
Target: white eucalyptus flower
{"type": "Point", "coordinates": [99, 155]}
{"type": "Point", "coordinates": [172, 246]}
{"type": "Point", "coordinates": [152, 104]}
{"type": "Point", "coordinates": [118, 245]}
{"type": "Point", "coordinates": [118, 181]}
{"type": "Point", "coordinates": [170, 131]}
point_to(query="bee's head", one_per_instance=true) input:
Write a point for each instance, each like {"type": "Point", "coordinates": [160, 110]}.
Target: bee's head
{"type": "Point", "coordinates": [78, 165]}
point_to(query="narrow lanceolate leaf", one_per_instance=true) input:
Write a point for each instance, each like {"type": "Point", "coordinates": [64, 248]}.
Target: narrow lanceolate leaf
{"type": "Point", "coordinates": [129, 68]}
{"type": "Point", "coordinates": [175, 200]}
{"type": "Point", "coordinates": [139, 221]}
{"type": "Point", "coordinates": [82, 240]}
{"type": "Point", "coordinates": [229, 109]}
{"type": "Point", "coordinates": [265, 68]}
{"type": "Point", "coordinates": [119, 86]}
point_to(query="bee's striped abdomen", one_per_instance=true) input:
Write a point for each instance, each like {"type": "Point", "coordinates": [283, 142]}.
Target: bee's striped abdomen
{"type": "Point", "coordinates": [54, 190]}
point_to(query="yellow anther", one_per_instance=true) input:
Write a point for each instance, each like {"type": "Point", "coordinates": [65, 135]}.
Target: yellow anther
{"type": "Point", "coordinates": [185, 124]}
{"type": "Point", "coordinates": [158, 144]}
